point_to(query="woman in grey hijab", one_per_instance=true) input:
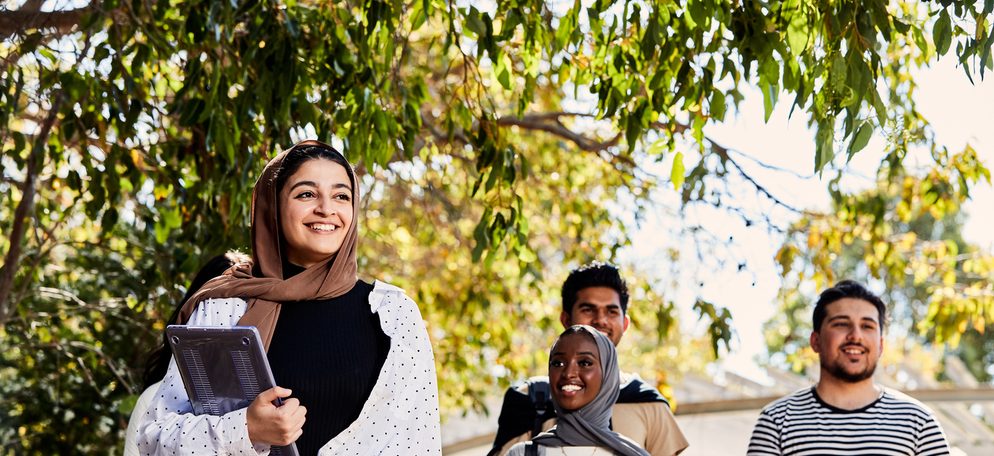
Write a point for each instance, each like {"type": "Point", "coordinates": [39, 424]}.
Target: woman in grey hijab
{"type": "Point", "coordinates": [583, 374]}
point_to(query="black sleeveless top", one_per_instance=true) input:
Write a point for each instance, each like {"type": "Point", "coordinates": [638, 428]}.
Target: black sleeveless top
{"type": "Point", "coordinates": [329, 352]}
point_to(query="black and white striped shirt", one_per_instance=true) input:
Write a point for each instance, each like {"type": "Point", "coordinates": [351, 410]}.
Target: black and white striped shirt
{"type": "Point", "coordinates": [803, 424]}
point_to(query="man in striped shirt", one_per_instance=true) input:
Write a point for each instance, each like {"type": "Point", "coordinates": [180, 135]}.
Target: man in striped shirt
{"type": "Point", "coordinates": [846, 413]}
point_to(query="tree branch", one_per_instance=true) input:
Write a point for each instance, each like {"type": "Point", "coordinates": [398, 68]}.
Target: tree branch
{"type": "Point", "coordinates": [66, 348]}
{"type": "Point", "coordinates": [723, 153]}
{"type": "Point", "coordinates": [770, 167]}
{"type": "Point", "coordinates": [45, 247]}
{"type": "Point", "coordinates": [21, 20]}
{"type": "Point", "coordinates": [7, 272]}
{"type": "Point", "coordinates": [549, 122]}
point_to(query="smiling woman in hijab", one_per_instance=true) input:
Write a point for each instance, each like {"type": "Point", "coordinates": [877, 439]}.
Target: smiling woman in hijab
{"type": "Point", "coordinates": [584, 376]}
{"type": "Point", "coordinates": [352, 359]}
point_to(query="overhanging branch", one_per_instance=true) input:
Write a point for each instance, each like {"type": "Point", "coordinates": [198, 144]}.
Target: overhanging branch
{"type": "Point", "coordinates": [723, 153]}
{"type": "Point", "coordinates": [15, 22]}
{"type": "Point", "coordinates": [550, 123]}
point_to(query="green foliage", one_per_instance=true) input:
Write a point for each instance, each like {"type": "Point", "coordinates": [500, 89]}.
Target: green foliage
{"type": "Point", "coordinates": [495, 147]}
{"type": "Point", "coordinates": [720, 329]}
{"type": "Point", "coordinates": [421, 232]}
{"type": "Point", "coordinates": [71, 354]}
{"type": "Point", "coordinates": [904, 237]}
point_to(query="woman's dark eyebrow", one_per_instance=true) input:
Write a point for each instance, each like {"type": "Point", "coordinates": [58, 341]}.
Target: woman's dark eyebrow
{"type": "Point", "coordinates": [302, 183]}
{"type": "Point", "coordinates": [559, 353]}
{"type": "Point", "coordinates": [314, 184]}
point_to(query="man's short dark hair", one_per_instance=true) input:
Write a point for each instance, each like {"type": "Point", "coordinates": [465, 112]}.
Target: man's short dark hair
{"type": "Point", "coordinates": [595, 274]}
{"type": "Point", "coordinates": [847, 289]}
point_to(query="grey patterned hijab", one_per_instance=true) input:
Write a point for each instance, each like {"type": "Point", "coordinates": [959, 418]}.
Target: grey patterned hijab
{"type": "Point", "coordinates": [590, 425]}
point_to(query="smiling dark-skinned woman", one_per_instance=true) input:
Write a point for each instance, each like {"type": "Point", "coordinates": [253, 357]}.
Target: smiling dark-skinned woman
{"type": "Point", "coordinates": [584, 378]}
{"type": "Point", "coordinates": [353, 359]}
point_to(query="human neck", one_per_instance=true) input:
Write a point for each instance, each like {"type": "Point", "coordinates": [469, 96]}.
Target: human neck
{"type": "Point", "coordinates": [846, 395]}
{"type": "Point", "coordinates": [291, 269]}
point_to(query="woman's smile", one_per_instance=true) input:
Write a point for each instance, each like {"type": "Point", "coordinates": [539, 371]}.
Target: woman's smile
{"type": "Point", "coordinates": [322, 227]}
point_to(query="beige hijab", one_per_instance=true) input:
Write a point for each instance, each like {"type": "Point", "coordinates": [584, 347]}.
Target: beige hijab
{"type": "Point", "coordinates": [263, 285]}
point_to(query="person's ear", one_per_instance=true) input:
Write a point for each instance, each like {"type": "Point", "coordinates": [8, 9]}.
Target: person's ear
{"type": "Point", "coordinates": [565, 319]}
{"type": "Point", "coordinates": [627, 322]}
{"type": "Point", "coordinates": [814, 340]}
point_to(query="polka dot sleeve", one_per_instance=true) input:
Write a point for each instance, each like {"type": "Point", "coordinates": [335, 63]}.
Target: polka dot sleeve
{"type": "Point", "coordinates": [401, 415]}
{"type": "Point", "coordinates": [170, 428]}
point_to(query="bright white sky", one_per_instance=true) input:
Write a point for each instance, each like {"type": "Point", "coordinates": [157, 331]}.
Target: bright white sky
{"type": "Point", "coordinates": [959, 112]}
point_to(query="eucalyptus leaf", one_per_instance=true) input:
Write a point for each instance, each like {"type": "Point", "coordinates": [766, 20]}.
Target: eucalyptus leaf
{"type": "Point", "coordinates": [860, 139]}
{"type": "Point", "coordinates": [942, 33]}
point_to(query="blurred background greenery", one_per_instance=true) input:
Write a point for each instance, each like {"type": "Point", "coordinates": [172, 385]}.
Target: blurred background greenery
{"type": "Point", "coordinates": [499, 145]}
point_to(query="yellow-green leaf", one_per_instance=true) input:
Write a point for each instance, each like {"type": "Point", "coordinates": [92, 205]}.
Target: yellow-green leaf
{"type": "Point", "coordinates": [678, 170]}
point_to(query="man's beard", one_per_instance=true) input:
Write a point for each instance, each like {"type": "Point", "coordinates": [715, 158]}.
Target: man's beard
{"type": "Point", "coordinates": [837, 370]}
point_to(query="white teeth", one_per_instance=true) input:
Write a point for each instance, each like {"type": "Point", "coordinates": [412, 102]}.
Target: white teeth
{"type": "Point", "coordinates": [571, 388]}
{"type": "Point", "coordinates": [323, 227]}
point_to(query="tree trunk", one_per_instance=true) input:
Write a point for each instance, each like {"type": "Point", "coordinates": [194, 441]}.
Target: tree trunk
{"type": "Point", "coordinates": [24, 208]}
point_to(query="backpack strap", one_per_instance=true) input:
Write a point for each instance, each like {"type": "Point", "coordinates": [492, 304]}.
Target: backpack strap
{"type": "Point", "coordinates": [539, 393]}
{"type": "Point", "coordinates": [531, 449]}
